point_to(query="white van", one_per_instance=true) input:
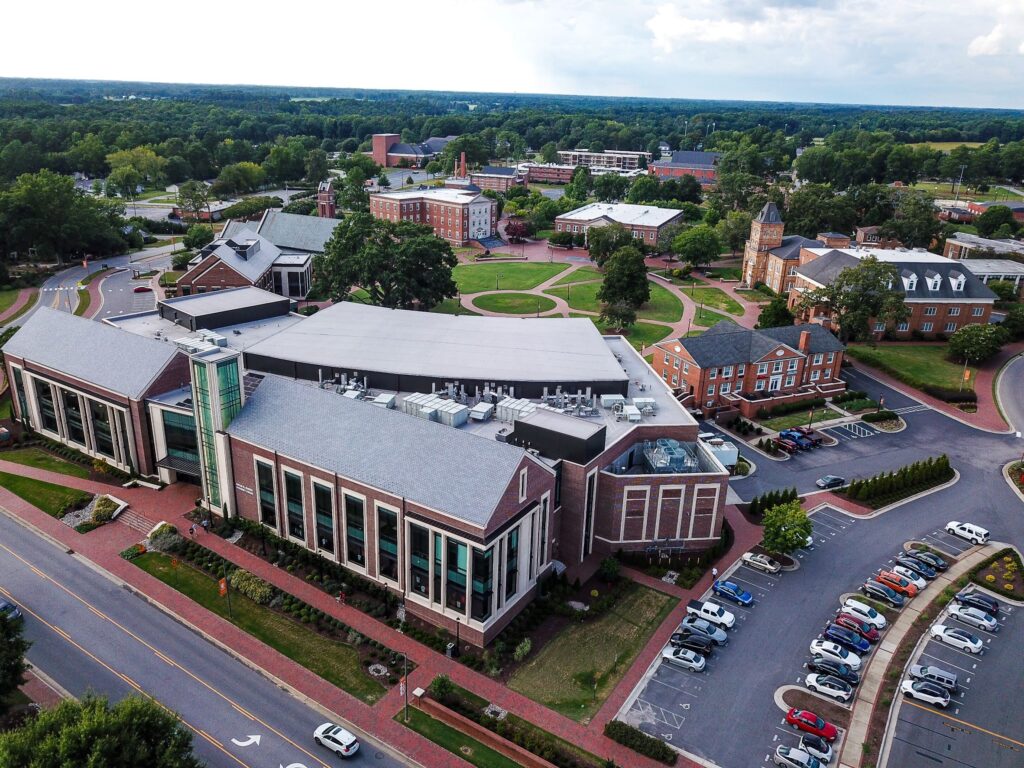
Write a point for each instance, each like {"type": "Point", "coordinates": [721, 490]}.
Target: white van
{"type": "Point", "coordinates": [864, 612]}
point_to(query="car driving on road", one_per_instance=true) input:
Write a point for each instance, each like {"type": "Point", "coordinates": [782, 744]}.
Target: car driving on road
{"type": "Point", "coordinates": [336, 739]}
{"type": "Point", "coordinates": [10, 611]}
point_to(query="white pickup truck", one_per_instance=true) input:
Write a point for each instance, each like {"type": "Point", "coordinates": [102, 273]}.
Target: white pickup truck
{"type": "Point", "coordinates": [713, 612]}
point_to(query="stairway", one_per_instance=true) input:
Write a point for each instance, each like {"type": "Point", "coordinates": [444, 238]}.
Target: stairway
{"type": "Point", "coordinates": [135, 521]}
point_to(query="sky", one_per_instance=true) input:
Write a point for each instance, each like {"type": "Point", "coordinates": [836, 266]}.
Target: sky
{"type": "Point", "coordinates": [922, 52]}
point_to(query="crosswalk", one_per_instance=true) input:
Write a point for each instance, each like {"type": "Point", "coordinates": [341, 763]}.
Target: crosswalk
{"type": "Point", "coordinates": [911, 409]}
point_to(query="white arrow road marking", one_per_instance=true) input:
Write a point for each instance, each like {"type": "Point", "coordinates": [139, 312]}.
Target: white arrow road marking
{"type": "Point", "coordinates": [249, 741]}
{"type": "Point", "coordinates": [291, 765]}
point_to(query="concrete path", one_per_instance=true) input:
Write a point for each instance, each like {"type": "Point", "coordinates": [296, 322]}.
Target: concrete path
{"type": "Point", "coordinates": [26, 297]}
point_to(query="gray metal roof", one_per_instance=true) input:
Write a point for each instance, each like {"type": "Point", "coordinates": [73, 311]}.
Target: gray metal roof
{"type": "Point", "coordinates": [224, 300]}
{"type": "Point", "coordinates": [691, 159]}
{"type": "Point", "coordinates": [824, 269]}
{"type": "Point", "coordinates": [251, 268]}
{"type": "Point", "coordinates": [769, 214]}
{"type": "Point", "coordinates": [92, 351]}
{"type": "Point", "coordinates": [791, 245]}
{"type": "Point", "coordinates": [440, 467]}
{"type": "Point", "coordinates": [997, 246]}
{"type": "Point", "coordinates": [288, 230]}
{"type": "Point", "coordinates": [497, 170]}
{"type": "Point", "coordinates": [359, 337]}
{"type": "Point", "coordinates": [726, 343]}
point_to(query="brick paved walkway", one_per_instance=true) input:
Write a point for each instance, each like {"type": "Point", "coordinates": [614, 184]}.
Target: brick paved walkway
{"type": "Point", "coordinates": [25, 296]}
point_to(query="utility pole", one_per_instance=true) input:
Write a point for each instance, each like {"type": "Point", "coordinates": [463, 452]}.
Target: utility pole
{"type": "Point", "coordinates": [956, 197]}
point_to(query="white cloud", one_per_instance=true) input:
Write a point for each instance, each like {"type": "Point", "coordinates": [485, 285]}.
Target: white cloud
{"type": "Point", "coordinates": [669, 26]}
{"type": "Point", "coordinates": [987, 45]}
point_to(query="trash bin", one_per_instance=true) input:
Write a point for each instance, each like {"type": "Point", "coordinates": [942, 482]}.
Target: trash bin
{"type": "Point", "coordinates": [449, 650]}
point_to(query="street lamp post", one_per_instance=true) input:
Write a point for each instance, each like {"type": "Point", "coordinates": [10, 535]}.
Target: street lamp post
{"type": "Point", "coordinates": [405, 683]}
{"type": "Point", "coordinates": [498, 276]}
{"type": "Point", "coordinates": [458, 626]}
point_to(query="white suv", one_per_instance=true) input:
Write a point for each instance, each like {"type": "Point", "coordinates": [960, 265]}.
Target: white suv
{"type": "Point", "coordinates": [973, 533]}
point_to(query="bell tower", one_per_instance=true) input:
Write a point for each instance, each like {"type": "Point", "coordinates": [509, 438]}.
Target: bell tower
{"type": "Point", "coordinates": [765, 234]}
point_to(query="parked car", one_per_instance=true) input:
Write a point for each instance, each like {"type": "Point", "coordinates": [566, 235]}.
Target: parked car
{"type": "Point", "coordinates": [958, 638]}
{"type": "Point", "coordinates": [810, 434]}
{"type": "Point", "coordinates": [10, 612]}
{"type": "Point", "coordinates": [791, 757]}
{"type": "Point", "coordinates": [802, 442]}
{"type": "Point", "coordinates": [817, 747]}
{"type": "Point", "coordinates": [825, 666]}
{"type": "Point", "coordinates": [937, 675]}
{"type": "Point", "coordinates": [973, 533]}
{"type": "Point", "coordinates": [988, 604]}
{"type": "Point", "coordinates": [704, 627]}
{"type": "Point", "coordinates": [975, 617]}
{"type": "Point", "coordinates": [926, 692]}
{"type": "Point", "coordinates": [713, 612]}
{"type": "Point", "coordinates": [336, 739]}
{"type": "Point", "coordinates": [914, 578]}
{"type": "Point", "coordinates": [786, 445]}
{"type": "Point", "coordinates": [142, 289]}
{"type": "Point", "coordinates": [864, 612]}
{"type": "Point", "coordinates": [920, 567]}
{"type": "Point", "coordinates": [930, 558]}
{"type": "Point", "coordinates": [684, 658]}
{"type": "Point", "coordinates": [872, 588]}
{"type": "Point", "coordinates": [761, 562]}
{"type": "Point", "coordinates": [835, 687]}
{"type": "Point", "coordinates": [830, 481]}
{"type": "Point", "coordinates": [692, 641]}
{"type": "Point", "coordinates": [855, 624]}
{"type": "Point", "coordinates": [828, 649]}
{"type": "Point", "coordinates": [846, 638]}
{"type": "Point", "coordinates": [807, 721]}
{"type": "Point", "coordinates": [896, 583]}
{"type": "Point", "coordinates": [732, 591]}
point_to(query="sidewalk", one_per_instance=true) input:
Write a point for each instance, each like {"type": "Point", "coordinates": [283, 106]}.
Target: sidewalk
{"type": "Point", "coordinates": [25, 296]}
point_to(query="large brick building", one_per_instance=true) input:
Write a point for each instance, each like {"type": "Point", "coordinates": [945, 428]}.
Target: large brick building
{"type": "Point", "coordinates": [457, 215]}
{"type": "Point", "coordinates": [976, 209]}
{"type": "Point", "coordinates": [703, 166]}
{"type": "Point", "coordinates": [388, 150]}
{"type": "Point", "coordinates": [622, 160]}
{"type": "Point", "coordinates": [547, 173]}
{"type": "Point", "coordinates": [733, 368]}
{"type": "Point", "coordinates": [646, 222]}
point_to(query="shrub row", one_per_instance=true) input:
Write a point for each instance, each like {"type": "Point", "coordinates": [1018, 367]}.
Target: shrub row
{"type": "Point", "coordinates": [760, 504]}
{"type": "Point", "coordinates": [879, 416]}
{"type": "Point", "coordinates": [103, 509]}
{"type": "Point", "coordinates": [77, 457]}
{"type": "Point", "coordinates": [887, 487]}
{"type": "Point", "coordinates": [638, 741]}
{"type": "Point", "coordinates": [785, 408]}
{"type": "Point", "coordinates": [744, 427]}
{"type": "Point", "coordinates": [950, 395]}
{"type": "Point", "coordinates": [252, 586]}
{"type": "Point", "coordinates": [848, 395]}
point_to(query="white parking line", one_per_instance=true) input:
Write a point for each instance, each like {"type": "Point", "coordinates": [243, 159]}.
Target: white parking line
{"type": "Point", "coordinates": [673, 687]}
{"type": "Point", "coordinates": [827, 524]}
{"type": "Point", "coordinates": [971, 627]}
{"type": "Point", "coordinates": [754, 584]}
{"type": "Point", "coordinates": [759, 573]}
{"type": "Point", "coordinates": [841, 522]}
{"type": "Point", "coordinates": [949, 663]}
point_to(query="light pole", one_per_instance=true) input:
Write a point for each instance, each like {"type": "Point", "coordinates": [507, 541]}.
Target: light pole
{"type": "Point", "coordinates": [458, 626]}
{"type": "Point", "coordinates": [405, 683]}
{"type": "Point", "coordinates": [497, 277]}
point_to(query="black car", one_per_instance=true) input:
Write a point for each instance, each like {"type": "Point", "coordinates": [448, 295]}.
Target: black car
{"type": "Point", "coordinates": [979, 601]}
{"type": "Point", "coordinates": [9, 611]}
{"type": "Point", "coordinates": [830, 481]}
{"type": "Point", "coordinates": [919, 567]}
{"type": "Point", "coordinates": [825, 666]}
{"type": "Point", "coordinates": [694, 642]}
{"type": "Point", "coordinates": [929, 558]}
{"type": "Point", "coordinates": [879, 591]}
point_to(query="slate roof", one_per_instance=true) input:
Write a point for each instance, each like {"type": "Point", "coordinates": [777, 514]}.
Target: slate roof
{"type": "Point", "coordinates": [690, 159]}
{"type": "Point", "coordinates": [431, 146]}
{"type": "Point", "coordinates": [497, 170]}
{"type": "Point", "coordinates": [769, 214]}
{"type": "Point", "coordinates": [437, 143]}
{"type": "Point", "coordinates": [91, 351]}
{"type": "Point", "coordinates": [726, 343]}
{"type": "Point", "coordinates": [252, 267]}
{"type": "Point", "coordinates": [824, 269]}
{"type": "Point", "coordinates": [441, 467]}
{"type": "Point", "coordinates": [296, 232]}
{"type": "Point", "coordinates": [791, 245]}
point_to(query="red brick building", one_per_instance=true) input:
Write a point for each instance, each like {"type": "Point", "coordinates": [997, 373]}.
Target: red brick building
{"type": "Point", "coordinates": [646, 222]}
{"type": "Point", "coordinates": [703, 166]}
{"type": "Point", "coordinates": [1017, 207]}
{"type": "Point", "coordinates": [729, 367]}
{"type": "Point", "coordinates": [872, 237]}
{"type": "Point", "coordinates": [547, 173]}
{"type": "Point", "coordinates": [456, 215]}
{"type": "Point", "coordinates": [388, 150]}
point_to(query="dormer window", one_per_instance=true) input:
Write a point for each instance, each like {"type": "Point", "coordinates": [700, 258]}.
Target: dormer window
{"type": "Point", "coordinates": [933, 280]}
{"type": "Point", "coordinates": [910, 281]}
{"type": "Point", "coordinates": [957, 280]}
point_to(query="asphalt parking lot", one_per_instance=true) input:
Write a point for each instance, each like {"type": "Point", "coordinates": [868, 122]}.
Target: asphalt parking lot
{"type": "Point", "coordinates": [945, 542]}
{"type": "Point", "coordinates": [980, 726]}
{"type": "Point", "coordinates": [855, 431]}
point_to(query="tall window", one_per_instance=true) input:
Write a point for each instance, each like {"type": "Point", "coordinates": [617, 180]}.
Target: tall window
{"type": "Point", "coordinates": [323, 508]}
{"type": "Point", "coordinates": [103, 440]}
{"type": "Point", "coordinates": [19, 386]}
{"type": "Point", "coordinates": [293, 505]}
{"type": "Point", "coordinates": [268, 501]}
{"type": "Point", "coordinates": [179, 435]}
{"type": "Point", "coordinates": [455, 597]}
{"type": "Point", "coordinates": [73, 416]}
{"type": "Point", "coordinates": [48, 414]}
{"type": "Point", "coordinates": [204, 410]}
{"type": "Point", "coordinates": [438, 559]}
{"type": "Point", "coordinates": [419, 559]}
{"type": "Point", "coordinates": [512, 564]}
{"type": "Point", "coordinates": [355, 540]}
{"type": "Point", "coordinates": [387, 543]}
{"type": "Point", "coordinates": [588, 509]}
{"type": "Point", "coordinates": [542, 556]}
{"type": "Point", "coordinates": [229, 390]}
{"type": "Point", "coordinates": [483, 584]}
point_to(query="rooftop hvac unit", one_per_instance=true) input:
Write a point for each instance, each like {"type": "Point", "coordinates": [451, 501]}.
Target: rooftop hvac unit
{"type": "Point", "coordinates": [481, 411]}
{"type": "Point", "coordinates": [385, 400]}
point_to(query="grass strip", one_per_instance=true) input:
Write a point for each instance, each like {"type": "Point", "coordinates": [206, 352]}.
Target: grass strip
{"type": "Point", "coordinates": [39, 459]}
{"type": "Point", "coordinates": [52, 499]}
{"type": "Point", "coordinates": [456, 742]}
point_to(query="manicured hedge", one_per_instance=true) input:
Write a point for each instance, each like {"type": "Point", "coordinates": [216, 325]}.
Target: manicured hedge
{"type": "Point", "coordinates": [784, 408]}
{"type": "Point", "coordinates": [996, 586]}
{"type": "Point", "coordinates": [760, 504]}
{"type": "Point", "coordinates": [879, 416]}
{"type": "Point", "coordinates": [950, 395]}
{"type": "Point", "coordinates": [640, 742]}
{"type": "Point", "coordinates": [888, 487]}
{"type": "Point", "coordinates": [848, 395]}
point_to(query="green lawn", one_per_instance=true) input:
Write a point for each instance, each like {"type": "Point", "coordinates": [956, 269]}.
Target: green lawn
{"type": "Point", "coordinates": [543, 234]}
{"type": "Point", "coordinates": [945, 190]}
{"type": "Point", "coordinates": [663, 306]}
{"type": "Point", "coordinates": [52, 499]}
{"type": "Point", "coordinates": [798, 419]}
{"type": "Point", "coordinates": [915, 364]}
{"type": "Point", "coordinates": [640, 335]}
{"type": "Point", "coordinates": [452, 307]}
{"type": "Point", "coordinates": [757, 294]}
{"type": "Point", "coordinates": [563, 674]}
{"type": "Point", "coordinates": [580, 275]}
{"type": "Point", "coordinates": [94, 275]}
{"type": "Point", "coordinates": [335, 662]}
{"type": "Point", "coordinates": [170, 278]}
{"type": "Point", "coordinates": [514, 303]}
{"type": "Point", "coordinates": [24, 307]}
{"type": "Point", "coordinates": [946, 146]}
{"type": "Point", "coordinates": [581, 296]}
{"type": "Point", "coordinates": [456, 742]}
{"type": "Point", "coordinates": [715, 298]}
{"type": "Point", "coordinates": [84, 300]}
{"type": "Point", "coordinates": [474, 278]}
{"type": "Point", "coordinates": [680, 281]}
{"type": "Point", "coordinates": [707, 317]}
{"type": "Point", "coordinates": [724, 273]}
{"type": "Point", "coordinates": [7, 298]}
{"type": "Point", "coordinates": [40, 459]}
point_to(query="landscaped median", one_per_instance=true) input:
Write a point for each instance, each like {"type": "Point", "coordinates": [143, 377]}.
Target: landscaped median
{"type": "Point", "coordinates": [890, 487]}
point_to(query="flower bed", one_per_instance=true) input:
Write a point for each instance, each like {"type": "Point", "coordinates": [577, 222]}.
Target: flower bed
{"type": "Point", "coordinates": [1002, 573]}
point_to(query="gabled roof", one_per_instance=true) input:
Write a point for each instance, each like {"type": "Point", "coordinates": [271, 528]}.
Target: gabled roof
{"type": "Point", "coordinates": [91, 351]}
{"type": "Point", "coordinates": [821, 339]}
{"type": "Point", "coordinates": [690, 159]}
{"type": "Point", "coordinates": [231, 251]}
{"type": "Point", "coordinates": [726, 343]}
{"type": "Point", "coordinates": [769, 214]}
{"type": "Point", "coordinates": [296, 232]}
{"type": "Point", "coordinates": [824, 269]}
{"type": "Point", "coordinates": [791, 246]}
{"type": "Point", "coordinates": [623, 213]}
{"type": "Point", "coordinates": [496, 170]}
{"type": "Point", "coordinates": [420, 460]}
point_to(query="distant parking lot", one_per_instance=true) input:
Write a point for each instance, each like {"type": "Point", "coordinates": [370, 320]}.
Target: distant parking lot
{"type": "Point", "coordinates": [855, 431]}
{"type": "Point", "coordinates": [980, 727]}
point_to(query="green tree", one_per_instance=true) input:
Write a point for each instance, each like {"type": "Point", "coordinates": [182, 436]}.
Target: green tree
{"type": "Point", "coordinates": [734, 190]}
{"type": "Point", "coordinates": [775, 314]}
{"type": "Point", "coordinates": [1004, 289]}
{"type": "Point", "coordinates": [916, 223]}
{"type": "Point", "coordinates": [383, 181]}
{"type": "Point", "coordinates": [734, 229]}
{"type": "Point", "coordinates": [238, 178]}
{"type": "Point", "coordinates": [786, 528]}
{"type": "Point", "coordinates": [976, 343]}
{"type": "Point", "coordinates": [625, 282]}
{"type": "Point", "coordinates": [858, 295]}
{"type": "Point", "coordinates": [698, 245]}
{"type": "Point", "coordinates": [125, 180]}
{"type": "Point", "coordinates": [400, 265]}
{"type": "Point", "coordinates": [579, 188]}
{"type": "Point", "coordinates": [549, 153]}
{"type": "Point", "coordinates": [316, 166]}
{"type": "Point", "coordinates": [610, 186]}
{"type": "Point", "coordinates": [90, 732]}
{"type": "Point", "coordinates": [193, 198]}
{"type": "Point", "coordinates": [197, 236]}
{"type": "Point", "coordinates": [817, 208]}
{"type": "Point", "coordinates": [644, 189]}
{"type": "Point", "coordinates": [994, 218]}
{"type": "Point", "coordinates": [13, 646]}
{"type": "Point", "coordinates": [602, 242]}
{"type": "Point", "coordinates": [1014, 322]}
{"type": "Point", "coordinates": [143, 159]}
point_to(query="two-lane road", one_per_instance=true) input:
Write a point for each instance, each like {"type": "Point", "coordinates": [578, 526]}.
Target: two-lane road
{"type": "Point", "coordinates": [89, 634]}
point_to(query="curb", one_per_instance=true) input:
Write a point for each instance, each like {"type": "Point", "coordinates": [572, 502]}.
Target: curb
{"type": "Point", "coordinates": [995, 390]}
{"type": "Point", "coordinates": [894, 505]}
{"type": "Point", "coordinates": [1009, 480]}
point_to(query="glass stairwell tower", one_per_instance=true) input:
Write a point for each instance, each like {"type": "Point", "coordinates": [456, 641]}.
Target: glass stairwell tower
{"type": "Point", "coordinates": [217, 398]}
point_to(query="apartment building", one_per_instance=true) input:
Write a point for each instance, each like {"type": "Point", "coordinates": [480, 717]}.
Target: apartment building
{"type": "Point", "coordinates": [646, 222]}
{"type": "Point", "coordinates": [457, 215]}
{"type": "Point", "coordinates": [622, 160]}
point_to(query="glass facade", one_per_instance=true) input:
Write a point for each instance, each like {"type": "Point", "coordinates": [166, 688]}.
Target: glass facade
{"type": "Point", "coordinates": [387, 543]}
{"type": "Point", "coordinates": [73, 416]}
{"type": "Point", "coordinates": [588, 513]}
{"type": "Point", "coordinates": [102, 437]}
{"type": "Point", "coordinates": [229, 391]}
{"type": "Point", "coordinates": [512, 563]}
{"type": "Point", "coordinates": [483, 584]}
{"type": "Point", "coordinates": [419, 560]}
{"type": "Point", "coordinates": [355, 525]}
{"type": "Point", "coordinates": [47, 411]}
{"type": "Point", "coordinates": [180, 436]}
{"type": "Point", "coordinates": [294, 513]}
{"type": "Point", "coordinates": [438, 566]}
{"type": "Point", "coordinates": [323, 506]}
{"type": "Point", "coordinates": [204, 412]}
{"type": "Point", "coordinates": [455, 597]}
{"type": "Point", "coordinates": [268, 501]}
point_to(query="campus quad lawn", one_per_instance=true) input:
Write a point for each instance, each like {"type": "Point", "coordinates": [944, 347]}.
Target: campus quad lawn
{"type": "Point", "coordinates": [944, 190]}
{"type": "Point", "coordinates": [452, 307]}
{"type": "Point", "coordinates": [640, 334]}
{"type": "Point", "coordinates": [514, 303]}
{"type": "Point", "coordinates": [335, 662]}
{"type": "Point", "coordinates": [724, 273]}
{"type": "Point", "coordinates": [515, 276]}
{"type": "Point", "coordinates": [663, 306]}
{"type": "Point", "coordinates": [456, 742]}
{"type": "Point", "coordinates": [580, 275]}
{"type": "Point", "coordinates": [40, 459]}
{"type": "Point", "coordinates": [798, 419]}
{"type": "Point", "coordinates": [7, 299]}
{"type": "Point", "coordinates": [707, 317]}
{"type": "Point", "coordinates": [562, 675]}
{"type": "Point", "coordinates": [915, 364]}
{"type": "Point", "coordinates": [715, 298]}
{"type": "Point", "coordinates": [48, 497]}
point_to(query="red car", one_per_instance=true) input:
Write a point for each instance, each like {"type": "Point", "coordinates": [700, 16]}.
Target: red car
{"type": "Point", "coordinates": [142, 289]}
{"type": "Point", "coordinates": [810, 434]}
{"type": "Point", "coordinates": [854, 624]}
{"type": "Point", "coordinates": [804, 720]}
{"type": "Point", "coordinates": [786, 445]}
{"type": "Point", "coordinates": [896, 583]}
